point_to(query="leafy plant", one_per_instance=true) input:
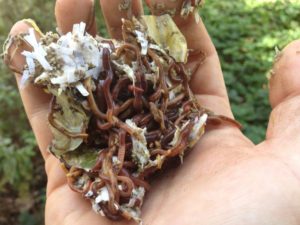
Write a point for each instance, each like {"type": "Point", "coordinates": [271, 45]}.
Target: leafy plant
{"type": "Point", "coordinates": [16, 166]}
{"type": "Point", "coordinates": [246, 33]}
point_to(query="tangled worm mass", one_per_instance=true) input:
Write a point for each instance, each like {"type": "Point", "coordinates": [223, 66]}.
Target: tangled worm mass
{"type": "Point", "coordinates": [120, 109]}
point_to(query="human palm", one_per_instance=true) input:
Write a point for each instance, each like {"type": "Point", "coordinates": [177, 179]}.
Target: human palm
{"type": "Point", "coordinates": [226, 179]}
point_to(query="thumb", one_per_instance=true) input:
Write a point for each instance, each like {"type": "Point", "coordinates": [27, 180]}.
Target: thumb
{"type": "Point", "coordinates": [284, 123]}
{"type": "Point", "coordinates": [283, 134]}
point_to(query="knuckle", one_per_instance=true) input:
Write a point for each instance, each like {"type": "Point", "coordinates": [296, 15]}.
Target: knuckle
{"type": "Point", "coordinates": [289, 56]}
{"type": "Point", "coordinates": [294, 44]}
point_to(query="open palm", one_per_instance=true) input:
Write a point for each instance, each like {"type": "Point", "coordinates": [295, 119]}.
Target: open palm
{"type": "Point", "coordinates": [226, 179]}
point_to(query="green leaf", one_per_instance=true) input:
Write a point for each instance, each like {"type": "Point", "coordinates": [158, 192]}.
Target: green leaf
{"type": "Point", "coordinates": [83, 157]}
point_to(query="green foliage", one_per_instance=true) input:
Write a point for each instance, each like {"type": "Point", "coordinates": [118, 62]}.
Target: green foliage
{"type": "Point", "coordinates": [15, 161]}
{"type": "Point", "coordinates": [39, 10]}
{"type": "Point", "coordinates": [17, 144]}
{"type": "Point", "coordinates": [246, 33]}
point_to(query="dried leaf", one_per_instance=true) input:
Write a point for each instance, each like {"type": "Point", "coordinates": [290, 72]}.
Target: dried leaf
{"type": "Point", "coordinates": [62, 143]}
{"type": "Point", "coordinates": [84, 158]}
{"type": "Point", "coordinates": [163, 30]}
{"type": "Point", "coordinates": [69, 116]}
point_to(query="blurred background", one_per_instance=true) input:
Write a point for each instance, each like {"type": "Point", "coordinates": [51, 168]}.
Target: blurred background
{"type": "Point", "coordinates": [245, 32]}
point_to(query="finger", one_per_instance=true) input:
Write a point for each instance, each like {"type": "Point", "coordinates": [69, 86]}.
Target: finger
{"type": "Point", "coordinates": [208, 77]}
{"type": "Point", "coordinates": [284, 121]}
{"type": "Point", "coordinates": [70, 12]}
{"type": "Point", "coordinates": [36, 102]}
{"type": "Point", "coordinates": [115, 10]}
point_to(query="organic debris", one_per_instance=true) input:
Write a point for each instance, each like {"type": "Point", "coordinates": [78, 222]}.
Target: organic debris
{"type": "Point", "coordinates": [120, 109]}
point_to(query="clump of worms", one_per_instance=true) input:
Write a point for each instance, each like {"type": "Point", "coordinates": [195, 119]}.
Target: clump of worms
{"type": "Point", "coordinates": [120, 109]}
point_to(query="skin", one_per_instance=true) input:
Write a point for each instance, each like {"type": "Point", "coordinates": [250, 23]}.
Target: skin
{"type": "Point", "coordinates": [226, 179]}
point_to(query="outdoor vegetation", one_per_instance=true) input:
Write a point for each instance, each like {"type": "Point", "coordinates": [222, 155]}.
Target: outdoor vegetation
{"type": "Point", "coordinates": [245, 32]}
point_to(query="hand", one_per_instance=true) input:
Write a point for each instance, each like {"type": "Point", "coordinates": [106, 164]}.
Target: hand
{"type": "Point", "coordinates": [226, 179]}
